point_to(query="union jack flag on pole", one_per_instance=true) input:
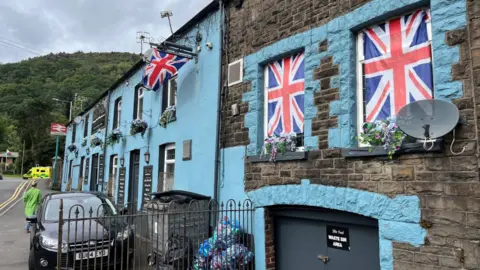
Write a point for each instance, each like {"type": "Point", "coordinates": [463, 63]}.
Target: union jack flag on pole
{"type": "Point", "coordinates": [398, 65]}
{"type": "Point", "coordinates": [285, 90]}
{"type": "Point", "coordinates": [162, 66]}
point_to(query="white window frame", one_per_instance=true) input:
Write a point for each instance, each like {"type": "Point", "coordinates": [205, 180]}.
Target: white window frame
{"type": "Point", "coordinates": [119, 113]}
{"type": "Point", "coordinates": [265, 109]}
{"type": "Point", "coordinates": [167, 161]}
{"type": "Point", "coordinates": [241, 72]}
{"type": "Point", "coordinates": [83, 167]}
{"type": "Point", "coordinates": [169, 93]}
{"type": "Point", "coordinates": [140, 95]}
{"type": "Point", "coordinates": [114, 165]}
{"type": "Point", "coordinates": [360, 58]}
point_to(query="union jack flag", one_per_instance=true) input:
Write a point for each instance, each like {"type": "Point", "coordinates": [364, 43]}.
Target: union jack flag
{"type": "Point", "coordinates": [162, 66]}
{"type": "Point", "coordinates": [285, 90]}
{"type": "Point", "coordinates": [398, 65]}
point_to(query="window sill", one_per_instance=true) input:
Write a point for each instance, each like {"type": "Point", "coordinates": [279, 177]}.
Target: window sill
{"type": "Point", "coordinates": [288, 156]}
{"type": "Point", "coordinates": [379, 151]}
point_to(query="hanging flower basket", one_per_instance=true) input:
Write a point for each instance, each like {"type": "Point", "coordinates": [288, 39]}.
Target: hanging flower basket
{"type": "Point", "coordinates": [114, 137]}
{"type": "Point", "coordinates": [275, 145]}
{"type": "Point", "coordinates": [84, 142]}
{"type": "Point", "coordinates": [95, 141]}
{"type": "Point", "coordinates": [72, 148]}
{"type": "Point", "coordinates": [138, 126]}
{"type": "Point", "coordinates": [167, 116]}
{"type": "Point", "coordinates": [383, 133]}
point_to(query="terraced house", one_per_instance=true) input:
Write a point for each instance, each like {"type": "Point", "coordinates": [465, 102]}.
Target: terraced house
{"type": "Point", "coordinates": [320, 70]}
{"type": "Point", "coordinates": [135, 140]}
{"type": "Point", "coordinates": [292, 105]}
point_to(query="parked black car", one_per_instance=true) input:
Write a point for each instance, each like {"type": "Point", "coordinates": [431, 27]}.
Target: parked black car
{"type": "Point", "coordinates": [93, 234]}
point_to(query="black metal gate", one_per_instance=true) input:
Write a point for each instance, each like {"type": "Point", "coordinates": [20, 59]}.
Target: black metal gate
{"type": "Point", "coordinates": [174, 235]}
{"type": "Point", "coordinates": [324, 239]}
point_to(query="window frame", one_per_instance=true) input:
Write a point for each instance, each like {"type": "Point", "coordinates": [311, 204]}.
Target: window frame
{"type": "Point", "coordinates": [85, 126]}
{"type": "Point", "coordinates": [360, 59]}
{"type": "Point", "coordinates": [169, 91]}
{"type": "Point", "coordinates": [139, 100]}
{"type": "Point", "coordinates": [167, 161]}
{"type": "Point", "coordinates": [114, 164]}
{"type": "Point", "coordinates": [117, 113]}
{"type": "Point", "coordinates": [265, 105]}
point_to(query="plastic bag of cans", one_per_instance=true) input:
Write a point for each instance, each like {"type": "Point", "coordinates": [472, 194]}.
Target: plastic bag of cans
{"type": "Point", "coordinates": [222, 250]}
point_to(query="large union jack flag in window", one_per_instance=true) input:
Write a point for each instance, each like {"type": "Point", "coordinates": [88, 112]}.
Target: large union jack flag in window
{"type": "Point", "coordinates": [162, 66]}
{"type": "Point", "coordinates": [398, 65]}
{"type": "Point", "coordinates": [285, 91]}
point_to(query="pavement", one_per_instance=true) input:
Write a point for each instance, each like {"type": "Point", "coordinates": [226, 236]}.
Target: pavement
{"type": "Point", "coordinates": [14, 242]}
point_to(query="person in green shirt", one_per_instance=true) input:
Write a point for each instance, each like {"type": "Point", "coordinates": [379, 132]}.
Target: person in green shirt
{"type": "Point", "coordinates": [32, 199]}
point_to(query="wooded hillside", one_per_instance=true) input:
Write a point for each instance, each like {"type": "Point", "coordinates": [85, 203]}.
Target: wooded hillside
{"type": "Point", "coordinates": [27, 89]}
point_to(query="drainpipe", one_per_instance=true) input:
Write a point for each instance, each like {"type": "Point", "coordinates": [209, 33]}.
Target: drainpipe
{"type": "Point", "coordinates": [107, 114]}
{"type": "Point", "coordinates": [219, 104]}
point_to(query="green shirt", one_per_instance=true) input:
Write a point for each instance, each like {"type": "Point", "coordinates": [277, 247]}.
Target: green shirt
{"type": "Point", "coordinates": [32, 199]}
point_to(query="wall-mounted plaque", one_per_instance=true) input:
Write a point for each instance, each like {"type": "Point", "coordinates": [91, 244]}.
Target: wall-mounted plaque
{"type": "Point", "coordinates": [87, 170]}
{"type": "Point", "coordinates": [121, 186]}
{"type": "Point", "coordinates": [101, 166]}
{"type": "Point", "coordinates": [147, 183]}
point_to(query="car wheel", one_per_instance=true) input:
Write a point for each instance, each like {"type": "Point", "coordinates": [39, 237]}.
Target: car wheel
{"type": "Point", "coordinates": [31, 260]}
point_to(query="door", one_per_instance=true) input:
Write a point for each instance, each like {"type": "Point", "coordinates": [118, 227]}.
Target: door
{"type": "Point", "coordinates": [324, 239]}
{"type": "Point", "coordinates": [133, 181]}
{"type": "Point", "coordinates": [94, 174]}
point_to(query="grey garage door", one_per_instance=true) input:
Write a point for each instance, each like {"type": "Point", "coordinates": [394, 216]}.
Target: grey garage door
{"type": "Point", "coordinates": [318, 239]}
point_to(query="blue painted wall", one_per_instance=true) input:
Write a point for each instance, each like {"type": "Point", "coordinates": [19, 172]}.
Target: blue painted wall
{"type": "Point", "coordinates": [197, 98]}
{"type": "Point", "coordinates": [232, 174]}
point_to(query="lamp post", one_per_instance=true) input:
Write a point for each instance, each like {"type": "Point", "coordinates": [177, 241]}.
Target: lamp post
{"type": "Point", "coordinates": [66, 101]}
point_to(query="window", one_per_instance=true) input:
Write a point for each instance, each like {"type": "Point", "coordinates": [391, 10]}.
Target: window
{"type": "Point", "coordinates": [138, 108]}
{"type": "Point", "coordinates": [167, 167]}
{"type": "Point", "coordinates": [70, 169]}
{"type": "Point", "coordinates": [99, 113]}
{"type": "Point", "coordinates": [74, 132]}
{"type": "Point", "coordinates": [284, 98]}
{"type": "Point", "coordinates": [85, 126]}
{"type": "Point", "coordinates": [82, 167]}
{"type": "Point", "coordinates": [113, 165]}
{"type": "Point", "coordinates": [172, 92]}
{"type": "Point", "coordinates": [394, 66]}
{"type": "Point", "coordinates": [117, 113]}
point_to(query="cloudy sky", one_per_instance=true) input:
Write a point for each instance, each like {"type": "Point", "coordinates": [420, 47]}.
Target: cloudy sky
{"type": "Point", "coordinates": [32, 27]}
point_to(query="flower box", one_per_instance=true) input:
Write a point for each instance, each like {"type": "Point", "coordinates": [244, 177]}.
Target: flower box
{"type": "Point", "coordinates": [275, 145]}
{"type": "Point", "coordinates": [385, 133]}
{"type": "Point", "coordinates": [169, 115]}
{"type": "Point", "coordinates": [72, 148]}
{"type": "Point", "coordinates": [138, 126]}
{"type": "Point", "coordinates": [95, 141]}
{"type": "Point", "coordinates": [114, 137]}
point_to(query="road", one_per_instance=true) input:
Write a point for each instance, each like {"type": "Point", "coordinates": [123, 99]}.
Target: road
{"type": "Point", "coordinates": [14, 240]}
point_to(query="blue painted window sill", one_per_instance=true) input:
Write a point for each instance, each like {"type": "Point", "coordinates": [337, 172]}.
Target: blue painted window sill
{"type": "Point", "coordinates": [379, 151]}
{"type": "Point", "coordinates": [288, 156]}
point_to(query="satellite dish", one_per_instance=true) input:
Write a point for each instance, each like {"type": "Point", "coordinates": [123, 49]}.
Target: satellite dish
{"type": "Point", "coordinates": [428, 119]}
{"type": "Point", "coordinates": [148, 55]}
{"type": "Point", "coordinates": [77, 119]}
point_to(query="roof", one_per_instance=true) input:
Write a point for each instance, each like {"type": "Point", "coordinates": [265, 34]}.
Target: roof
{"type": "Point", "coordinates": [13, 155]}
{"type": "Point", "coordinates": [211, 7]}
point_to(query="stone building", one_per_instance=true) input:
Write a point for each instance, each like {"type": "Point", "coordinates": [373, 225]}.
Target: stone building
{"type": "Point", "coordinates": [418, 210]}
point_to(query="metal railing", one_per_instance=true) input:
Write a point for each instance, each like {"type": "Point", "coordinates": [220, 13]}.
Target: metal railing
{"type": "Point", "coordinates": [174, 235]}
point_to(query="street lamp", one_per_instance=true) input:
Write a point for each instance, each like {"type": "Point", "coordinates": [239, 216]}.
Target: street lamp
{"type": "Point", "coordinates": [66, 101]}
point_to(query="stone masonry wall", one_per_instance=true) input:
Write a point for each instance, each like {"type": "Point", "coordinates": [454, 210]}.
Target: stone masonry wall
{"type": "Point", "coordinates": [448, 185]}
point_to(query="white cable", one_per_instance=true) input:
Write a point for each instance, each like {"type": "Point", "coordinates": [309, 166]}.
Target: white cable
{"type": "Point", "coordinates": [451, 146]}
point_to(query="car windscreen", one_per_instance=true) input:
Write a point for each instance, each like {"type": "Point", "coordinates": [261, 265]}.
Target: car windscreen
{"type": "Point", "coordinates": [98, 206]}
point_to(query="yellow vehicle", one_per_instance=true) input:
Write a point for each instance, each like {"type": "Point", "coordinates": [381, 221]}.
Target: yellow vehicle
{"type": "Point", "coordinates": [38, 172]}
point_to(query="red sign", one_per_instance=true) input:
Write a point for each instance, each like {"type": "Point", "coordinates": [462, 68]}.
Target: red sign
{"type": "Point", "coordinates": [58, 129]}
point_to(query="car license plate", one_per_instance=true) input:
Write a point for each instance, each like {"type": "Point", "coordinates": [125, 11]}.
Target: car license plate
{"type": "Point", "coordinates": [91, 254]}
